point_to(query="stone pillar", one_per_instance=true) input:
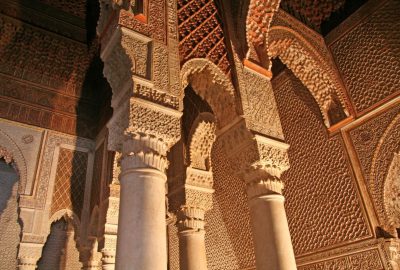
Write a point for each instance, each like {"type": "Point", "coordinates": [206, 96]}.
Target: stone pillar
{"type": "Point", "coordinates": [272, 240]}
{"type": "Point", "coordinates": [143, 72]}
{"type": "Point", "coordinates": [111, 226]}
{"type": "Point", "coordinates": [191, 239]}
{"type": "Point", "coordinates": [28, 255]}
{"type": "Point", "coordinates": [141, 240]}
{"type": "Point", "coordinates": [191, 201]}
{"type": "Point", "coordinates": [260, 161]}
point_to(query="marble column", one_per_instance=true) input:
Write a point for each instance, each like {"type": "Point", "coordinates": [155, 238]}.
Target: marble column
{"type": "Point", "coordinates": [272, 240]}
{"type": "Point", "coordinates": [260, 162]}
{"type": "Point", "coordinates": [28, 255]}
{"type": "Point", "coordinates": [192, 248]}
{"type": "Point", "coordinates": [141, 243]}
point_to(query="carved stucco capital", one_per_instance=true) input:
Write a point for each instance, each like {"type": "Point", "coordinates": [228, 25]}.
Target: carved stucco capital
{"type": "Point", "coordinates": [190, 219]}
{"type": "Point", "coordinates": [258, 160]}
{"type": "Point", "coordinates": [146, 120]}
{"type": "Point", "coordinates": [28, 255]}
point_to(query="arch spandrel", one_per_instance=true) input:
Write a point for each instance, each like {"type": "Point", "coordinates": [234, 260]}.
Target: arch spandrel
{"type": "Point", "coordinates": [310, 67]}
{"type": "Point", "coordinates": [13, 154]}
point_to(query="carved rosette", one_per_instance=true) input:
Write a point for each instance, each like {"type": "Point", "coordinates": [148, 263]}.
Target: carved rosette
{"type": "Point", "coordinates": [258, 160]}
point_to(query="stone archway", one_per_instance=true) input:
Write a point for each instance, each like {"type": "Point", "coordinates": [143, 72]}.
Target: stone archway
{"type": "Point", "coordinates": [61, 248]}
{"type": "Point", "coordinates": [10, 229]}
{"type": "Point", "coordinates": [212, 85]}
{"type": "Point", "coordinates": [312, 70]}
{"type": "Point", "coordinates": [13, 183]}
{"type": "Point", "coordinates": [383, 181]}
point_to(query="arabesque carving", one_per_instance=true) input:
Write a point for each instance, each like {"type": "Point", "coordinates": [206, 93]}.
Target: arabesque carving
{"type": "Point", "coordinates": [383, 180]}
{"type": "Point", "coordinates": [309, 67]}
{"type": "Point", "coordinates": [257, 27]}
{"type": "Point", "coordinates": [201, 140]}
{"type": "Point", "coordinates": [391, 193]}
{"type": "Point", "coordinates": [212, 85]}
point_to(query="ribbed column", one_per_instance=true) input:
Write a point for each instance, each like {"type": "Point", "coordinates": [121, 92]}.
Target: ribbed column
{"type": "Point", "coordinates": [191, 239]}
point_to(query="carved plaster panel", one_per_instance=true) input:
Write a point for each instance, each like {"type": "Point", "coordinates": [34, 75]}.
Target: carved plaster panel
{"type": "Point", "coordinates": [376, 141]}
{"type": "Point", "coordinates": [373, 75]}
{"type": "Point", "coordinates": [213, 86]}
{"type": "Point", "coordinates": [320, 190]}
{"type": "Point", "coordinates": [52, 142]}
{"type": "Point", "coordinates": [258, 101]}
{"type": "Point", "coordinates": [391, 193]}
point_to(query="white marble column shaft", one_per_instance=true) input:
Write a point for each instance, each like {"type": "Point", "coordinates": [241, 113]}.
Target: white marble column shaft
{"type": "Point", "coordinates": [141, 243]}
{"type": "Point", "coordinates": [192, 250]}
{"type": "Point", "coordinates": [272, 240]}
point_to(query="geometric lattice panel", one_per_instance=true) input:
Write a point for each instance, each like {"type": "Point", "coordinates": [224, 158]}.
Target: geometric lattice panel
{"type": "Point", "coordinates": [70, 181]}
{"type": "Point", "coordinates": [368, 57]}
{"type": "Point", "coordinates": [200, 32]}
{"type": "Point", "coordinates": [322, 203]}
{"type": "Point", "coordinates": [96, 182]}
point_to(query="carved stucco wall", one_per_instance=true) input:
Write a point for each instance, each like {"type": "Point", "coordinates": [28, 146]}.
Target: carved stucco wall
{"type": "Point", "coordinates": [229, 241]}
{"type": "Point", "coordinates": [375, 142]}
{"type": "Point", "coordinates": [322, 204]}
{"type": "Point", "coordinates": [367, 50]}
{"type": "Point", "coordinates": [9, 227]}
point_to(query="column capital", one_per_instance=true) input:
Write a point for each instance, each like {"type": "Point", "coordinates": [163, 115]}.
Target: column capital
{"type": "Point", "coordinates": [28, 255]}
{"type": "Point", "coordinates": [258, 160]}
